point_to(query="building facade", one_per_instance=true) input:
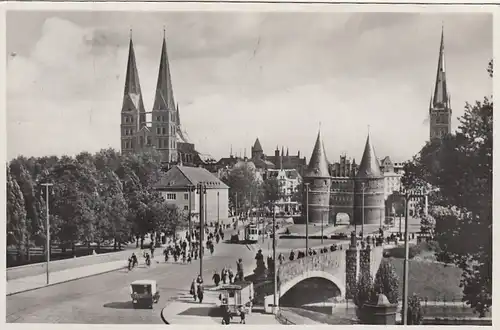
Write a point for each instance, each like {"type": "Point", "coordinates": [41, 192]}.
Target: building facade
{"type": "Point", "coordinates": [289, 182]}
{"type": "Point", "coordinates": [179, 187]}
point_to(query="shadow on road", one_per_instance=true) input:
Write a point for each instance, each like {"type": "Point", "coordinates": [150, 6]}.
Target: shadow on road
{"type": "Point", "coordinates": [209, 311]}
{"type": "Point", "coordinates": [120, 305]}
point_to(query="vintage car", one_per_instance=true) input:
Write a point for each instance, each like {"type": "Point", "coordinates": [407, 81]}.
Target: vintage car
{"type": "Point", "coordinates": [144, 293]}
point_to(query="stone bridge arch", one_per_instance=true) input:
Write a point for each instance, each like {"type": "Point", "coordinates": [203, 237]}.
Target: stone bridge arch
{"type": "Point", "coordinates": [285, 287]}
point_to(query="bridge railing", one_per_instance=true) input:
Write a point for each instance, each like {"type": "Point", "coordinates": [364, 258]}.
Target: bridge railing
{"type": "Point", "coordinates": [318, 262]}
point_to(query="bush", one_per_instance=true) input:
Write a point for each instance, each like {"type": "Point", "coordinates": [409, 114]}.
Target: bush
{"type": "Point", "coordinates": [387, 282]}
{"type": "Point", "coordinates": [415, 314]}
{"type": "Point", "coordinates": [363, 291]}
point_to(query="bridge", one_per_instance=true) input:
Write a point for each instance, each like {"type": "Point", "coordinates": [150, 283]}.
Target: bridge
{"type": "Point", "coordinates": [332, 266]}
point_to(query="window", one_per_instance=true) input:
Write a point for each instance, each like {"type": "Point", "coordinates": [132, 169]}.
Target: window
{"type": "Point", "coordinates": [158, 118]}
{"type": "Point", "coordinates": [171, 196]}
{"type": "Point", "coordinates": [163, 129]}
{"type": "Point", "coordinates": [186, 196]}
{"type": "Point", "coordinates": [186, 208]}
{"type": "Point", "coordinates": [149, 140]}
{"type": "Point", "coordinates": [158, 130]}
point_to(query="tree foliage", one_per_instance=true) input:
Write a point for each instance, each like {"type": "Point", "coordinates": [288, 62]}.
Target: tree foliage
{"type": "Point", "coordinates": [458, 169]}
{"type": "Point", "coordinates": [363, 292]}
{"type": "Point", "coordinates": [387, 282]}
{"type": "Point", "coordinates": [94, 198]}
{"type": "Point", "coordinates": [244, 187]}
{"type": "Point", "coordinates": [415, 314]}
{"type": "Point", "coordinates": [271, 191]}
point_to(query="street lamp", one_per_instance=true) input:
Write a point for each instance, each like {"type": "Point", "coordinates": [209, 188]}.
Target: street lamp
{"type": "Point", "coordinates": [191, 188]}
{"type": "Point", "coordinates": [363, 211]}
{"type": "Point", "coordinates": [275, 300]}
{"type": "Point", "coordinates": [202, 190]}
{"type": "Point", "coordinates": [47, 225]}
{"type": "Point", "coordinates": [307, 216]}
{"type": "Point", "coordinates": [407, 197]}
{"type": "Point", "coordinates": [218, 215]}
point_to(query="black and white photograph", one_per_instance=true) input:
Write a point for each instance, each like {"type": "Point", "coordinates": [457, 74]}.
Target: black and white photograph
{"type": "Point", "coordinates": [226, 165]}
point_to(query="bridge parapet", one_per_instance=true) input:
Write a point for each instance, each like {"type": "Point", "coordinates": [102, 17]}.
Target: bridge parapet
{"type": "Point", "coordinates": [318, 262]}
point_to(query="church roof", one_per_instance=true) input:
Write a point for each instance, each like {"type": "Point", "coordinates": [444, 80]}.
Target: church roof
{"type": "Point", "coordinates": [441, 97]}
{"type": "Point", "coordinates": [369, 166]}
{"type": "Point", "coordinates": [257, 146]}
{"type": "Point", "coordinates": [318, 164]}
{"type": "Point", "coordinates": [164, 97]}
{"type": "Point", "coordinates": [132, 92]}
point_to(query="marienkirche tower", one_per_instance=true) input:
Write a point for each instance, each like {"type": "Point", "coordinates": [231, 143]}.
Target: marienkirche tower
{"type": "Point", "coordinates": [440, 107]}
{"type": "Point", "coordinates": [163, 131]}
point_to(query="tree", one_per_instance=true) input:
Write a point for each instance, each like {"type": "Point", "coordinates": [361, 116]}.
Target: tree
{"type": "Point", "coordinates": [387, 282]}
{"type": "Point", "coordinates": [16, 216]}
{"type": "Point", "coordinates": [415, 315]}
{"type": "Point", "coordinates": [363, 292]}
{"type": "Point", "coordinates": [458, 168]}
{"type": "Point", "coordinates": [272, 191]}
{"type": "Point", "coordinates": [243, 184]}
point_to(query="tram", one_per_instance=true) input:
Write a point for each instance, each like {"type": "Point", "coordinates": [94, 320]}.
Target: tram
{"type": "Point", "coordinates": [251, 233]}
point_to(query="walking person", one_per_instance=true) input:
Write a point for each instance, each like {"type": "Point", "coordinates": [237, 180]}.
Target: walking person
{"type": "Point", "coordinates": [216, 278]}
{"type": "Point", "coordinates": [200, 293]}
{"type": "Point", "coordinates": [192, 291]}
{"type": "Point", "coordinates": [242, 311]}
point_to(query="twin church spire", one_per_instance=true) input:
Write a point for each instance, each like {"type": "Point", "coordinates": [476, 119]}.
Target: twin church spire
{"type": "Point", "coordinates": [164, 95]}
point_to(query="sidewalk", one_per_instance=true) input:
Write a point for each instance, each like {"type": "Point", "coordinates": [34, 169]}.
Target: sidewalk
{"type": "Point", "coordinates": [39, 281]}
{"type": "Point", "coordinates": [184, 310]}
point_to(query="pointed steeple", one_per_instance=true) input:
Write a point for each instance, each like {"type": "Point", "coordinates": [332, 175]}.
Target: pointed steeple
{"type": "Point", "coordinates": [440, 99]}
{"type": "Point", "coordinates": [318, 165]}
{"type": "Point", "coordinates": [257, 147]}
{"type": "Point", "coordinates": [132, 94]}
{"type": "Point", "coordinates": [287, 152]}
{"type": "Point", "coordinates": [369, 166]}
{"type": "Point", "coordinates": [164, 98]}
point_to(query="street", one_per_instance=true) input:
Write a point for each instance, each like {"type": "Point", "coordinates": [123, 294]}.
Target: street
{"type": "Point", "coordinates": [106, 298]}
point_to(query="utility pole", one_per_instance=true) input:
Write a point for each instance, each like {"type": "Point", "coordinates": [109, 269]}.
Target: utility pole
{"type": "Point", "coordinates": [202, 190]}
{"type": "Point", "coordinates": [275, 300]}
{"type": "Point", "coordinates": [307, 218]}
{"type": "Point", "coordinates": [407, 196]}
{"type": "Point", "coordinates": [218, 215]}
{"type": "Point", "coordinates": [236, 205]}
{"type": "Point", "coordinates": [47, 225]}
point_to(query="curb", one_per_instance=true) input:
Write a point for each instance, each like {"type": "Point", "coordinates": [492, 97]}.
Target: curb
{"type": "Point", "coordinates": [65, 281]}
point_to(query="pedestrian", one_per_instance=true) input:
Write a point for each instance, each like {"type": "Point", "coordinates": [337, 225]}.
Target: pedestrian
{"type": "Point", "coordinates": [226, 318]}
{"type": "Point", "coordinates": [192, 291]}
{"type": "Point", "coordinates": [189, 259]}
{"type": "Point", "coordinates": [200, 292]}
{"type": "Point", "coordinates": [230, 275]}
{"type": "Point", "coordinates": [242, 314]}
{"type": "Point", "coordinates": [225, 276]}
{"type": "Point", "coordinates": [216, 278]}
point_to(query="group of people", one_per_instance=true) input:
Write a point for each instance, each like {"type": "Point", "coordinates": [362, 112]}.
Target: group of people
{"type": "Point", "coordinates": [227, 276]}
{"type": "Point", "coordinates": [197, 289]}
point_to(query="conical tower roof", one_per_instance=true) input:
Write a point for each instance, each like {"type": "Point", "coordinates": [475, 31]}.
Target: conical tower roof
{"type": "Point", "coordinates": [257, 146]}
{"type": "Point", "coordinates": [369, 166]}
{"type": "Point", "coordinates": [318, 164]}
{"type": "Point", "coordinates": [441, 97]}
{"type": "Point", "coordinates": [164, 97]}
{"type": "Point", "coordinates": [132, 94]}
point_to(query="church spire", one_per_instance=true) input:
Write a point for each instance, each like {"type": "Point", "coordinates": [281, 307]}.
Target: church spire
{"type": "Point", "coordinates": [132, 94]}
{"type": "Point", "coordinates": [369, 166]}
{"type": "Point", "coordinates": [440, 99]}
{"type": "Point", "coordinates": [318, 165]}
{"type": "Point", "coordinates": [164, 98]}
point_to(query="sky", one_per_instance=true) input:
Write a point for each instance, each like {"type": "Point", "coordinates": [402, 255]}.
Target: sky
{"type": "Point", "coordinates": [237, 76]}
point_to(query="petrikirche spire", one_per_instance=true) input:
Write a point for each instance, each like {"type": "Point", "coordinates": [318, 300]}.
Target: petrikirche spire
{"type": "Point", "coordinates": [164, 97]}
{"type": "Point", "coordinates": [318, 164]}
{"type": "Point", "coordinates": [441, 98]}
{"type": "Point", "coordinates": [132, 94]}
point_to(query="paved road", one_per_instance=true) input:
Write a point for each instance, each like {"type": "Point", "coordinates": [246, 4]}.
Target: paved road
{"type": "Point", "coordinates": [106, 298]}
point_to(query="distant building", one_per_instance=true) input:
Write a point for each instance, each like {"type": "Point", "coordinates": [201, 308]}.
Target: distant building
{"type": "Point", "coordinates": [289, 182]}
{"type": "Point", "coordinates": [178, 187]}
{"type": "Point", "coordinates": [278, 161]}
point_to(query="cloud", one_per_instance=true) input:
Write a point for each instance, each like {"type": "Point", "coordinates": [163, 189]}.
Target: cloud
{"type": "Point", "coordinates": [237, 76]}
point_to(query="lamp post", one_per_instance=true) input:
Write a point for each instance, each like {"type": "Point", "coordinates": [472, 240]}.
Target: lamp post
{"type": "Point", "coordinates": [47, 225]}
{"type": "Point", "coordinates": [190, 189]}
{"type": "Point", "coordinates": [218, 215]}
{"type": "Point", "coordinates": [407, 197]}
{"type": "Point", "coordinates": [275, 300]}
{"type": "Point", "coordinates": [202, 191]}
{"type": "Point", "coordinates": [363, 210]}
{"type": "Point", "coordinates": [307, 217]}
